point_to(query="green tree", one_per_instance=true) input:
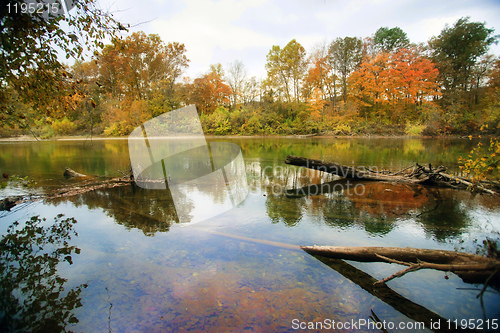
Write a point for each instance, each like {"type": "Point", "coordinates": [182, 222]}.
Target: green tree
{"type": "Point", "coordinates": [286, 68]}
{"type": "Point", "coordinates": [390, 40]}
{"type": "Point", "coordinates": [30, 71]}
{"type": "Point", "coordinates": [346, 55]}
{"type": "Point", "coordinates": [456, 52]}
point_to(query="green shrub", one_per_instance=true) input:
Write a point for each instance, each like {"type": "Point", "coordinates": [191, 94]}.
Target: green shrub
{"type": "Point", "coordinates": [63, 127]}
{"type": "Point", "coordinates": [414, 129]}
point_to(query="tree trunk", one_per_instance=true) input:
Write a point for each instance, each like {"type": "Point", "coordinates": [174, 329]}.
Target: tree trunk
{"type": "Point", "coordinates": [340, 170]}
{"type": "Point", "coordinates": [90, 183]}
{"type": "Point", "coordinates": [471, 268]}
{"type": "Point", "coordinates": [418, 175]}
{"type": "Point", "coordinates": [69, 173]}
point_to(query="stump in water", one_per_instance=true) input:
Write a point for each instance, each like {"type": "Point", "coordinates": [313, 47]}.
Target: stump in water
{"type": "Point", "coordinates": [8, 203]}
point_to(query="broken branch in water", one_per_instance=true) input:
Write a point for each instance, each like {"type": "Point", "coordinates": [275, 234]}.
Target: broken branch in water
{"type": "Point", "coordinates": [470, 267]}
{"type": "Point", "coordinates": [419, 174]}
{"type": "Point", "coordinates": [91, 184]}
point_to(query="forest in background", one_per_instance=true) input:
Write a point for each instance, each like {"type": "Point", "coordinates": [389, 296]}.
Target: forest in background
{"type": "Point", "coordinates": [378, 85]}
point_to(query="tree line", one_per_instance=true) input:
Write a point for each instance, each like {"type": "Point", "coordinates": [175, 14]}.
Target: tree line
{"type": "Point", "coordinates": [381, 84]}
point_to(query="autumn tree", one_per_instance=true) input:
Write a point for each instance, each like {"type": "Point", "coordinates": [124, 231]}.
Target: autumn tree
{"type": "Point", "coordinates": [137, 76]}
{"type": "Point", "coordinates": [285, 70]}
{"type": "Point", "coordinates": [368, 82]}
{"type": "Point", "coordinates": [345, 55]}
{"type": "Point", "coordinates": [30, 71]}
{"type": "Point", "coordinates": [321, 74]}
{"type": "Point", "coordinates": [399, 80]}
{"type": "Point", "coordinates": [210, 91]}
{"type": "Point", "coordinates": [130, 67]}
{"type": "Point", "coordinates": [491, 114]}
{"type": "Point", "coordinates": [321, 80]}
{"type": "Point", "coordinates": [87, 94]}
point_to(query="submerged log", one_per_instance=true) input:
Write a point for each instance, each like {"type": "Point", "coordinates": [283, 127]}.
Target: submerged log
{"type": "Point", "coordinates": [471, 268]}
{"type": "Point", "coordinates": [90, 183]}
{"type": "Point", "coordinates": [383, 292]}
{"type": "Point", "coordinates": [416, 174]}
{"type": "Point", "coordinates": [69, 173]}
{"type": "Point", "coordinates": [9, 202]}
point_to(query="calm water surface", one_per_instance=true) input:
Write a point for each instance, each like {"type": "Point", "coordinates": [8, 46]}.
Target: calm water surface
{"type": "Point", "coordinates": [237, 272]}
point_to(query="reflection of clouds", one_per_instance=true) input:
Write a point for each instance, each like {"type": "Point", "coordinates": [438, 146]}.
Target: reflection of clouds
{"type": "Point", "coordinates": [197, 200]}
{"type": "Point", "coordinates": [204, 180]}
{"type": "Point", "coordinates": [276, 178]}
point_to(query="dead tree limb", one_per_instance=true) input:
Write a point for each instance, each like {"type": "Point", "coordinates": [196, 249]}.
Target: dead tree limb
{"type": "Point", "coordinates": [90, 183]}
{"type": "Point", "coordinates": [337, 169]}
{"type": "Point", "coordinates": [471, 268]}
{"type": "Point", "coordinates": [69, 173]}
{"type": "Point", "coordinates": [416, 175]}
{"type": "Point", "coordinates": [402, 304]}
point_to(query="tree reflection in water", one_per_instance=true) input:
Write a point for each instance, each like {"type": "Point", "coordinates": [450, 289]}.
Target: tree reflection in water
{"type": "Point", "coordinates": [32, 294]}
{"type": "Point", "coordinates": [293, 194]}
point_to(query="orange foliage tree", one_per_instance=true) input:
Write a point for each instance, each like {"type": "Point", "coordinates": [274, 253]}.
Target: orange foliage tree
{"type": "Point", "coordinates": [394, 83]}
{"type": "Point", "coordinates": [210, 91]}
{"type": "Point", "coordinates": [129, 67]}
{"type": "Point", "coordinates": [130, 74]}
{"type": "Point", "coordinates": [321, 76]}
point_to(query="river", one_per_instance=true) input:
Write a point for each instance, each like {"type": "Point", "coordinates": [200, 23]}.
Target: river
{"type": "Point", "coordinates": [148, 269]}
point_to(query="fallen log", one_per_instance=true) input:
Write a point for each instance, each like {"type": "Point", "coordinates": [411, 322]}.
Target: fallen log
{"type": "Point", "coordinates": [69, 173]}
{"type": "Point", "coordinates": [338, 169]}
{"type": "Point", "coordinates": [91, 183]}
{"type": "Point", "coordinates": [392, 298]}
{"type": "Point", "coordinates": [9, 202]}
{"type": "Point", "coordinates": [470, 267]}
{"type": "Point", "coordinates": [416, 174]}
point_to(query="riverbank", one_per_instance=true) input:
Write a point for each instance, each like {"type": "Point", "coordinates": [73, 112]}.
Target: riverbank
{"type": "Point", "coordinates": [27, 138]}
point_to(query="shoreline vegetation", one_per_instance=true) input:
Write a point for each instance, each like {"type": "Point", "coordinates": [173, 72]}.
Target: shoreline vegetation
{"type": "Point", "coordinates": [378, 85]}
{"type": "Point", "coordinates": [29, 138]}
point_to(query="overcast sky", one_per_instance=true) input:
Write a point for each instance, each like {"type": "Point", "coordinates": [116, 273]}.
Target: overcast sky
{"type": "Point", "coordinates": [222, 31]}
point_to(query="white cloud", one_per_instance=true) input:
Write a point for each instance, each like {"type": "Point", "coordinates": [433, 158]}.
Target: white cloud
{"type": "Point", "coordinates": [221, 31]}
{"type": "Point", "coordinates": [204, 25]}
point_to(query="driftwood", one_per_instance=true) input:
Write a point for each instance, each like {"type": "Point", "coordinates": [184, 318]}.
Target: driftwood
{"type": "Point", "coordinates": [416, 174]}
{"type": "Point", "coordinates": [91, 183]}
{"type": "Point", "coordinates": [383, 292]}
{"type": "Point", "coordinates": [402, 304]}
{"type": "Point", "coordinates": [69, 173]}
{"type": "Point", "coordinates": [8, 203]}
{"type": "Point", "coordinates": [471, 268]}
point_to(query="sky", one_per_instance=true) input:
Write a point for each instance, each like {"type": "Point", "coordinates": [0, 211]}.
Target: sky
{"type": "Point", "coordinates": [223, 31]}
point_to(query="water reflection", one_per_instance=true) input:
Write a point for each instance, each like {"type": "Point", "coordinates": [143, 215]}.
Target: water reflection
{"type": "Point", "coordinates": [32, 294]}
{"type": "Point", "coordinates": [131, 206]}
{"type": "Point", "coordinates": [189, 278]}
{"type": "Point", "coordinates": [295, 193]}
